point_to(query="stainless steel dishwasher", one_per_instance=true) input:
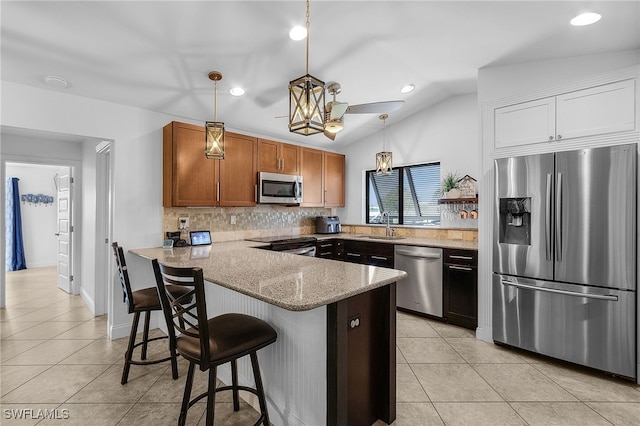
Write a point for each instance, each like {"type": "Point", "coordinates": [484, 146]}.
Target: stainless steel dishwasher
{"type": "Point", "coordinates": [421, 291]}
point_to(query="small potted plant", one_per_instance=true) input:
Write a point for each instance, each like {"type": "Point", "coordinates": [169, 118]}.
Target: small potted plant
{"type": "Point", "coordinates": [448, 187]}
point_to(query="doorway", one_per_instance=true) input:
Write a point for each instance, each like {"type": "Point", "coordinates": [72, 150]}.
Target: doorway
{"type": "Point", "coordinates": [20, 145]}
{"type": "Point", "coordinates": [46, 205]}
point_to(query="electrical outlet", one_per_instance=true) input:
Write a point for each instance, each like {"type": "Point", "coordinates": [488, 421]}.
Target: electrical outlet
{"type": "Point", "coordinates": [183, 223]}
{"type": "Point", "coordinates": [354, 322]}
{"type": "Point", "coordinates": [233, 219]}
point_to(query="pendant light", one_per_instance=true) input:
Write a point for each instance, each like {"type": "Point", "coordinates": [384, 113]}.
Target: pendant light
{"type": "Point", "coordinates": [306, 100]}
{"type": "Point", "coordinates": [384, 158]}
{"type": "Point", "coordinates": [214, 143]}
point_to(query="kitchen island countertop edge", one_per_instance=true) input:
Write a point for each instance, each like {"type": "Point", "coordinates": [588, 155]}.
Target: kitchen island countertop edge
{"type": "Point", "coordinates": [291, 282]}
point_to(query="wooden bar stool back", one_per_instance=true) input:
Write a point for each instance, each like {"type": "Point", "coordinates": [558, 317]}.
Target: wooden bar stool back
{"type": "Point", "coordinates": [209, 343]}
{"type": "Point", "coordinates": [140, 301]}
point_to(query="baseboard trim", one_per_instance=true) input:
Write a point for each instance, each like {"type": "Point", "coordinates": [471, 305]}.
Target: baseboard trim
{"type": "Point", "coordinates": [88, 300]}
{"type": "Point", "coordinates": [484, 334]}
{"type": "Point", "coordinates": [118, 331]}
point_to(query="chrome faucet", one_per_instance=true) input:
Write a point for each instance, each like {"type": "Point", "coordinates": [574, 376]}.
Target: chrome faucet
{"type": "Point", "coordinates": [389, 232]}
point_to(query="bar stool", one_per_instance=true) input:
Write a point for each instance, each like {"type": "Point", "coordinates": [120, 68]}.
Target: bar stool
{"type": "Point", "coordinates": [209, 343]}
{"type": "Point", "coordinates": [145, 300]}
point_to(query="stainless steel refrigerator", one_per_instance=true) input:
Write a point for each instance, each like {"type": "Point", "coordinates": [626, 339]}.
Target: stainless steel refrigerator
{"type": "Point", "coordinates": [564, 260]}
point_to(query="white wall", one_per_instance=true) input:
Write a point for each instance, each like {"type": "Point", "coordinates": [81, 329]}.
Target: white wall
{"type": "Point", "coordinates": [38, 220]}
{"type": "Point", "coordinates": [495, 83]}
{"type": "Point", "coordinates": [447, 132]}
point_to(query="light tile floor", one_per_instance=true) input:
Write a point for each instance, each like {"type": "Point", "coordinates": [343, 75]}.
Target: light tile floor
{"type": "Point", "coordinates": [55, 356]}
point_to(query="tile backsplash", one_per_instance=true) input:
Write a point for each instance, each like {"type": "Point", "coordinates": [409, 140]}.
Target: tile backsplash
{"type": "Point", "coordinates": [268, 220]}
{"type": "Point", "coordinates": [440, 233]}
{"type": "Point", "coordinates": [237, 223]}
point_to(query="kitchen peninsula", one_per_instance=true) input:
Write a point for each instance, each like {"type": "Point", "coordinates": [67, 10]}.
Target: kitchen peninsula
{"type": "Point", "coordinates": [334, 360]}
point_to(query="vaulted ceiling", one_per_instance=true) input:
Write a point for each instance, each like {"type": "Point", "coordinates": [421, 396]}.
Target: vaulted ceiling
{"type": "Point", "coordinates": [157, 54]}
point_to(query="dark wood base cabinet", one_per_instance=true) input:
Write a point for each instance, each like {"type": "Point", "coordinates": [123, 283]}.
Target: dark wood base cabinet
{"type": "Point", "coordinates": [460, 282]}
{"type": "Point", "coordinates": [361, 359]}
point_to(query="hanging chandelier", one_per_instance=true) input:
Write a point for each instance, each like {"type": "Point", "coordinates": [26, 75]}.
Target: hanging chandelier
{"type": "Point", "coordinates": [214, 143]}
{"type": "Point", "coordinates": [384, 158]}
{"type": "Point", "coordinates": [306, 100]}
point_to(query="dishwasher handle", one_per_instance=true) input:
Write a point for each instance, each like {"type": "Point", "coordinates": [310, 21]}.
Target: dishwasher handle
{"type": "Point", "coordinates": [419, 255]}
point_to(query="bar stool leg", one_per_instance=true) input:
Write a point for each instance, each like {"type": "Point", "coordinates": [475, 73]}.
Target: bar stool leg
{"type": "Point", "coordinates": [145, 334]}
{"type": "Point", "coordinates": [174, 363]}
{"type": "Point", "coordinates": [259, 388]}
{"type": "Point", "coordinates": [182, 419]}
{"type": "Point", "coordinates": [234, 382]}
{"type": "Point", "coordinates": [129, 353]}
{"type": "Point", "coordinates": [211, 395]}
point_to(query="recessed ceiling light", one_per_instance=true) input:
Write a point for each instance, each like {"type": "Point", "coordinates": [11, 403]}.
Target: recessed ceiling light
{"type": "Point", "coordinates": [407, 88]}
{"type": "Point", "coordinates": [298, 33]}
{"type": "Point", "coordinates": [585, 19]}
{"type": "Point", "coordinates": [236, 91]}
{"type": "Point", "coordinates": [55, 81]}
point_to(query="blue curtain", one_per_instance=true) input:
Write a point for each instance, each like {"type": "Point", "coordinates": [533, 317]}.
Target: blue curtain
{"type": "Point", "coordinates": [13, 223]}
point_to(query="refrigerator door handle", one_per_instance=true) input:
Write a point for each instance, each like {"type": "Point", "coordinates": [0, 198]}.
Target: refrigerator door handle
{"type": "Point", "coordinates": [548, 218]}
{"type": "Point", "coordinates": [563, 292]}
{"type": "Point", "coordinates": [559, 219]}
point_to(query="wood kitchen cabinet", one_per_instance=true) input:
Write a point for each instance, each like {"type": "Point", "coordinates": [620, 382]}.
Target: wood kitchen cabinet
{"type": "Point", "coordinates": [330, 249]}
{"type": "Point", "coordinates": [312, 172]}
{"type": "Point", "coordinates": [460, 287]}
{"type": "Point", "coordinates": [608, 108]}
{"type": "Point", "coordinates": [369, 253]}
{"type": "Point", "coordinates": [190, 179]}
{"type": "Point", "coordinates": [323, 175]}
{"type": "Point", "coordinates": [238, 175]}
{"type": "Point", "coordinates": [334, 179]}
{"type": "Point", "coordinates": [278, 157]}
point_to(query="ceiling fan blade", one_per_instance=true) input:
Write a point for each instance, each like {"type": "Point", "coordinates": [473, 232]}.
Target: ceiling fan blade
{"type": "Point", "coordinates": [330, 135]}
{"type": "Point", "coordinates": [375, 107]}
{"type": "Point", "coordinates": [338, 109]}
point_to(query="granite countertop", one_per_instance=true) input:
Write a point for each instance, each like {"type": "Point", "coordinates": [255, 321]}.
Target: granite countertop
{"type": "Point", "coordinates": [292, 282]}
{"type": "Point", "coordinates": [408, 241]}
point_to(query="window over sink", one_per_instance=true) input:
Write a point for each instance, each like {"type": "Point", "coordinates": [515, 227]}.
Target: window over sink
{"type": "Point", "coordinates": [409, 195]}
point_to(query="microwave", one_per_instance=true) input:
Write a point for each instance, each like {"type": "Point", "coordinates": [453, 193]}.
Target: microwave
{"type": "Point", "coordinates": [277, 188]}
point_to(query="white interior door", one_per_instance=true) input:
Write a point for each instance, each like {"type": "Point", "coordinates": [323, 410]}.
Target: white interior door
{"type": "Point", "coordinates": [65, 229]}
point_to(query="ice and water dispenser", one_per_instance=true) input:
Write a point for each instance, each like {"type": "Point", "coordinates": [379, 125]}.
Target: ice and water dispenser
{"type": "Point", "coordinates": [515, 221]}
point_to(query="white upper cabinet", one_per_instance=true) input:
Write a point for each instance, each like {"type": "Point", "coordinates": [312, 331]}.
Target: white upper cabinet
{"type": "Point", "coordinates": [600, 110]}
{"type": "Point", "coordinates": [596, 111]}
{"type": "Point", "coordinates": [525, 123]}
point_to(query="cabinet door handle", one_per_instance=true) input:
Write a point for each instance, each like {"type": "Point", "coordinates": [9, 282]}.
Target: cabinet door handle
{"type": "Point", "coordinates": [461, 268]}
{"type": "Point", "coordinates": [325, 245]}
{"type": "Point", "coordinates": [218, 191]}
{"type": "Point", "coordinates": [255, 193]}
{"type": "Point", "coordinates": [354, 254]}
{"type": "Point", "coordinates": [326, 253]}
{"type": "Point", "coordinates": [379, 257]}
{"type": "Point", "coordinates": [282, 167]}
{"type": "Point", "coordinates": [550, 138]}
{"type": "Point", "coordinates": [455, 256]}
{"type": "Point", "coordinates": [559, 136]}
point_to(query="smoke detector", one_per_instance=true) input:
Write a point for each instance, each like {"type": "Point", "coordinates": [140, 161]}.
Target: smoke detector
{"type": "Point", "coordinates": [55, 81]}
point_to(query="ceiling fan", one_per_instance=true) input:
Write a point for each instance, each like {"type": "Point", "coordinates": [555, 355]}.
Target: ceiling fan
{"type": "Point", "coordinates": [335, 111]}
